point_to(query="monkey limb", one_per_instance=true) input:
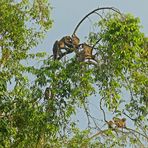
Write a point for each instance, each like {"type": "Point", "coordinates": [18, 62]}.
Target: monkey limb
{"type": "Point", "coordinates": [63, 54]}
{"type": "Point", "coordinates": [56, 50]}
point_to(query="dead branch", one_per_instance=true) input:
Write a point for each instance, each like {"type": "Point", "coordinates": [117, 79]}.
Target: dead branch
{"type": "Point", "coordinates": [94, 11]}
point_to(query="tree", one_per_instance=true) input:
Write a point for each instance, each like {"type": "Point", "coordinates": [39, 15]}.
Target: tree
{"type": "Point", "coordinates": [18, 108]}
{"type": "Point", "coordinates": [36, 111]}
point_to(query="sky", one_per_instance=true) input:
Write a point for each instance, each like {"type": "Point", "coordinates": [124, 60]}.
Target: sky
{"type": "Point", "coordinates": [67, 13]}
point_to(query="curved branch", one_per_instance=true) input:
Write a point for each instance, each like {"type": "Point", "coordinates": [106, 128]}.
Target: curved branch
{"type": "Point", "coordinates": [94, 11]}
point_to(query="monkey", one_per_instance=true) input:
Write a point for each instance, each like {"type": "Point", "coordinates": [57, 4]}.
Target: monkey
{"type": "Point", "coordinates": [110, 124]}
{"type": "Point", "coordinates": [120, 123]}
{"type": "Point", "coordinates": [75, 41]}
{"type": "Point", "coordinates": [47, 94]}
{"type": "Point", "coordinates": [68, 43]}
{"type": "Point", "coordinates": [81, 56]}
{"type": "Point", "coordinates": [64, 43]}
{"type": "Point", "coordinates": [86, 53]}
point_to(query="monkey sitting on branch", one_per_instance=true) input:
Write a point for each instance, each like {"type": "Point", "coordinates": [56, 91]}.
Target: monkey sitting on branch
{"type": "Point", "coordinates": [85, 53]}
{"type": "Point", "coordinates": [117, 123]}
{"type": "Point", "coordinates": [67, 43]}
{"type": "Point", "coordinates": [120, 123]}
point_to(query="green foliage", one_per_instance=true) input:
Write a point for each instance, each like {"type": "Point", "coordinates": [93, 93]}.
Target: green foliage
{"type": "Point", "coordinates": [29, 119]}
{"type": "Point", "coordinates": [123, 61]}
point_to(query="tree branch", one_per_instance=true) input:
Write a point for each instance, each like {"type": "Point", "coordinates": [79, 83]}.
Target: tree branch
{"type": "Point", "coordinates": [94, 11]}
{"type": "Point", "coordinates": [103, 110]}
{"type": "Point", "coordinates": [129, 129]}
{"type": "Point", "coordinates": [103, 132]}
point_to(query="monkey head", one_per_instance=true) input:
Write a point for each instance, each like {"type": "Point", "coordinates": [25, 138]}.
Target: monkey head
{"type": "Point", "coordinates": [75, 41]}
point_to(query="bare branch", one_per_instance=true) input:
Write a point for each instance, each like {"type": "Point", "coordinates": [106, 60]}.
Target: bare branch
{"type": "Point", "coordinates": [96, 43]}
{"type": "Point", "coordinates": [94, 11]}
{"type": "Point", "coordinates": [89, 116]}
{"type": "Point", "coordinates": [99, 14]}
{"type": "Point", "coordinates": [129, 129]}
{"type": "Point", "coordinates": [103, 110]}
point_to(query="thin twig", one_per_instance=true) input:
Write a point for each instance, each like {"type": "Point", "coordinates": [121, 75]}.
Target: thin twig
{"type": "Point", "coordinates": [139, 140]}
{"type": "Point", "coordinates": [96, 43]}
{"type": "Point", "coordinates": [129, 116]}
{"type": "Point", "coordinates": [104, 116]}
{"type": "Point", "coordinates": [98, 14]}
{"type": "Point", "coordinates": [129, 129]}
{"type": "Point", "coordinates": [87, 114]}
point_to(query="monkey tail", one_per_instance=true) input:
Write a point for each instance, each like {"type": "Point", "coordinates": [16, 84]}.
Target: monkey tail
{"type": "Point", "coordinates": [55, 50]}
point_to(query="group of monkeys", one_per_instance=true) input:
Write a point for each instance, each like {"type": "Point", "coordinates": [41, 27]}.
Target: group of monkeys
{"type": "Point", "coordinates": [117, 123]}
{"type": "Point", "coordinates": [72, 44]}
